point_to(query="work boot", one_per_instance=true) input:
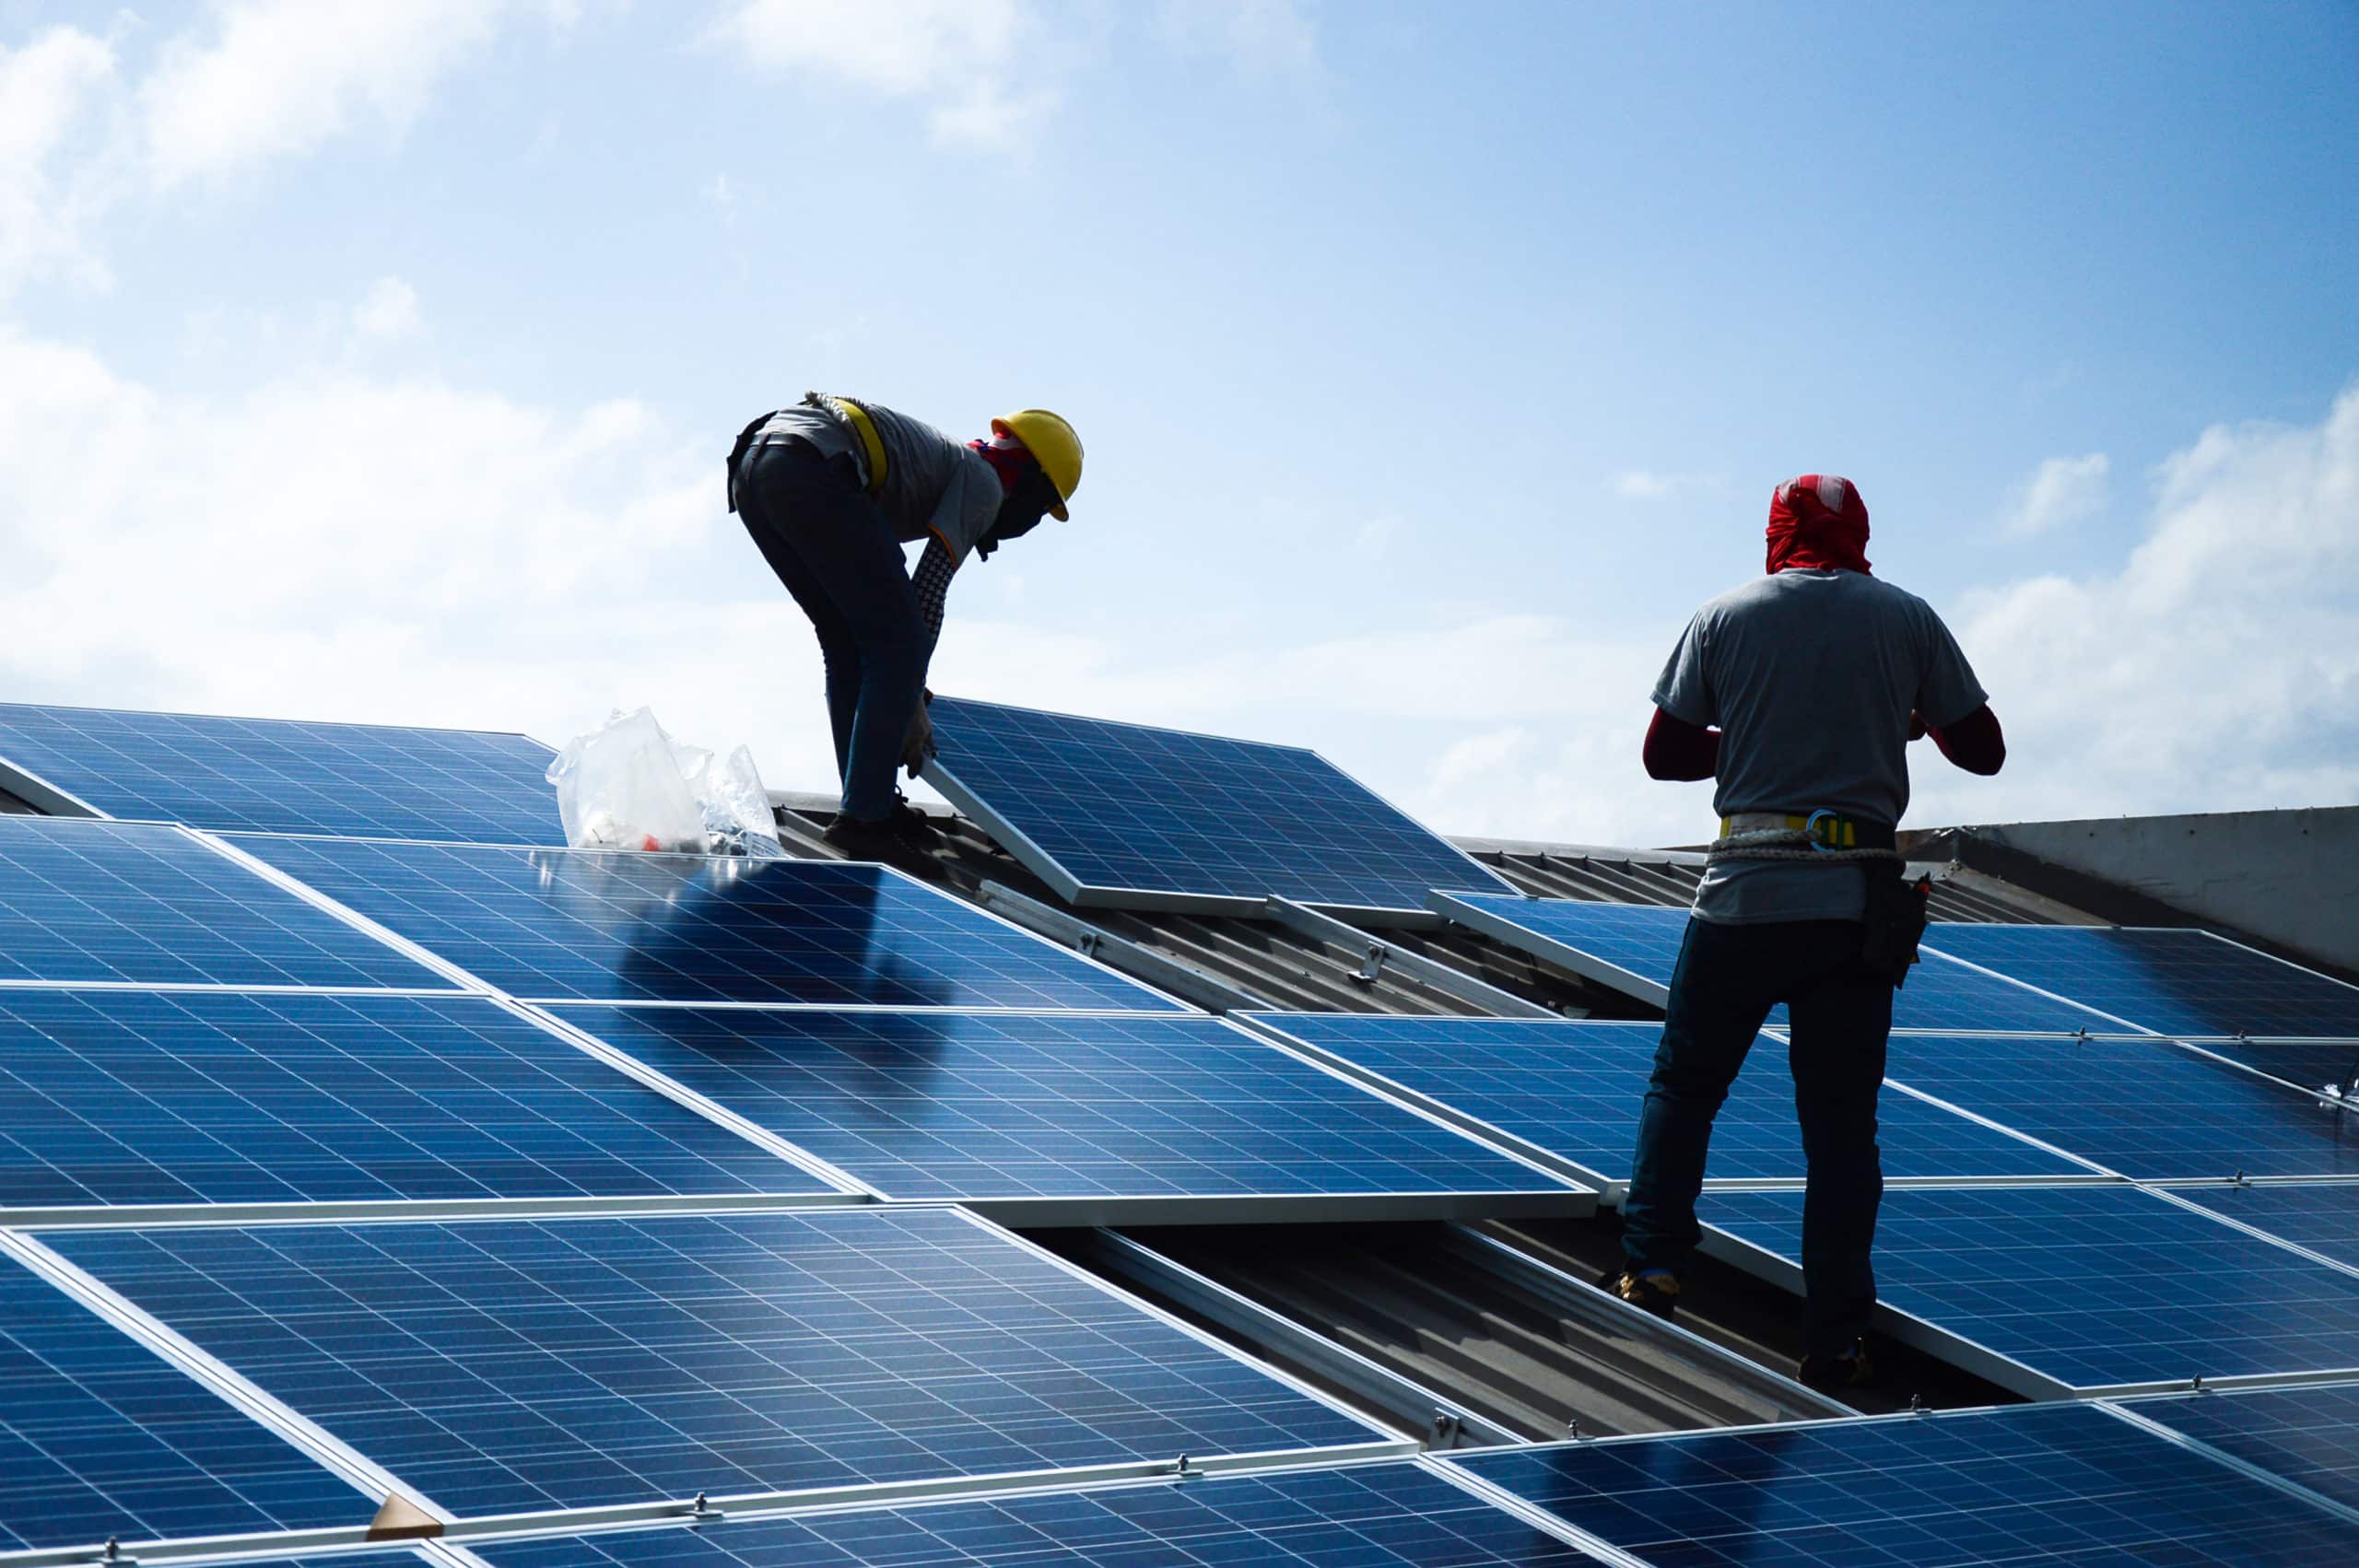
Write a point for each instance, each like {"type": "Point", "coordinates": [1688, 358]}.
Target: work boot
{"type": "Point", "coordinates": [1834, 1374]}
{"type": "Point", "coordinates": [1651, 1290]}
{"type": "Point", "coordinates": [858, 840]}
{"type": "Point", "coordinates": [910, 824]}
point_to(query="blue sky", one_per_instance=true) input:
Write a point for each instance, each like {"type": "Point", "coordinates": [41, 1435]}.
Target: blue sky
{"type": "Point", "coordinates": [376, 360]}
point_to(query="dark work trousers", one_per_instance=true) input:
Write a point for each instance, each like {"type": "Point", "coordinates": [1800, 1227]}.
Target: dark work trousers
{"type": "Point", "coordinates": [830, 546]}
{"type": "Point", "coordinates": [1728, 978]}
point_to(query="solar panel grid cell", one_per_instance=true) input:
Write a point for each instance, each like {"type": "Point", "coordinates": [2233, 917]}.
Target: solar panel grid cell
{"type": "Point", "coordinates": [2060, 1484]}
{"type": "Point", "coordinates": [99, 1438]}
{"type": "Point", "coordinates": [135, 903]}
{"type": "Point", "coordinates": [2173, 982]}
{"type": "Point", "coordinates": [929, 1105]}
{"type": "Point", "coordinates": [289, 777]}
{"type": "Point", "coordinates": [2094, 1287]}
{"type": "Point", "coordinates": [1142, 810]}
{"type": "Point", "coordinates": [1366, 1516]}
{"type": "Point", "coordinates": [2325, 1218]}
{"type": "Point", "coordinates": [1576, 1090]}
{"type": "Point", "coordinates": [607, 926]}
{"type": "Point", "coordinates": [213, 1098]}
{"type": "Point", "coordinates": [2309, 1436]}
{"type": "Point", "coordinates": [502, 1366]}
{"type": "Point", "coordinates": [2146, 1108]}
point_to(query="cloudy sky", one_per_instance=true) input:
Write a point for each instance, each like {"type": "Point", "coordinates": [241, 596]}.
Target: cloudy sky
{"type": "Point", "coordinates": [377, 360]}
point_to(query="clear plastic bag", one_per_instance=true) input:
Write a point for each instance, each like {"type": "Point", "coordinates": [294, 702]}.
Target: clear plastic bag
{"type": "Point", "coordinates": [627, 785]}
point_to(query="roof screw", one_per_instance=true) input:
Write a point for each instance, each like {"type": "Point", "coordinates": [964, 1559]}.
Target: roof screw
{"type": "Point", "coordinates": [1445, 1426]}
{"type": "Point", "coordinates": [1917, 1406]}
{"type": "Point", "coordinates": [2197, 1387]}
{"type": "Point", "coordinates": [1573, 1428]}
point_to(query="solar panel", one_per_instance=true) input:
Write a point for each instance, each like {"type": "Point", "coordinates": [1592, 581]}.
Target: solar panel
{"type": "Point", "coordinates": [997, 1105]}
{"type": "Point", "coordinates": [498, 1366]}
{"type": "Point", "coordinates": [2060, 1484]}
{"type": "Point", "coordinates": [1575, 1089]}
{"type": "Point", "coordinates": [281, 776]}
{"type": "Point", "coordinates": [118, 1096]}
{"type": "Point", "coordinates": [2090, 1287]}
{"type": "Point", "coordinates": [99, 1438]}
{"type": "Point", "coordinates": [1632, 948]}
{"type": "Point", "coordinates": [588, 925]}
{"type": "Point", "coordinates": [2146, 1108]}
{"type": "Point", "coordinates": [2314, 1065]}
{"type": "Point", "coordinates": [2324, 1218]}
{"type": "Point", "coordinates": [1127, 814]}
{"type": "Point", "coordinates": [1386, 1515]}
{"type": "Point", "coordinates": [2173, 982]}
{"type": "Point", "coordinates": [128, 902]}
{"type": "Point", "coordinates": [2308, 1434]}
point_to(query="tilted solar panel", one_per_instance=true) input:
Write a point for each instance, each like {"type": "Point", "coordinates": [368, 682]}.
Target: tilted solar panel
{"type": "Point", "coordinates": [2089, 1287]}
{"type": "Point", "coordinates": [99, 1438]}
{"type": "Point", "coordinates": [617, 926]}
{"type": "Point", "coordinates": [1576, 1089]}
{"type": "Point", "coordinates": [282, 776]}
{"type": "Point", "coordinates": [2026, 1485]}
{"type": "Point", "coordinates": [2309, 1434]}
{"type": "Point", "coordinates": [998, 1105]}
{"type": "Point", "coordinates": [2146, 1108]}
{"type": "Point", "coordinates": [499, 1366]}
{"type": "Point", "coordinates": [2173, 982]}
{"type": "Point", "coordinates": [1380, 1515]}
{"type": "Point", "coordinates": [117, 1096]}
{"type": "Point", "coordinates": [1127, 814]}
{"type": "Point", "coordinates": [1634, 948]}
{"type": "Point", "coordinates": [2323, 1218]}
{"type": "Point", "coordinates": [145, 904]}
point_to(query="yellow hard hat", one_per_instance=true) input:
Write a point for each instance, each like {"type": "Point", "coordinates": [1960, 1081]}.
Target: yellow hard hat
{"type": "Point", "coordinates": [1052, 445]}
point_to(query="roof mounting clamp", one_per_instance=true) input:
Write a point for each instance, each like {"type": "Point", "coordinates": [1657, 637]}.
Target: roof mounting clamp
{"type": "Point", "coordinates": [1445, 1429]}
{"type": "Point", "coordinates": [1186, 1471]}
{"type": "Point", "coordinates": [113, 1552]}
{"type": "Point", "coordinates": [701, 1512]}
{"type": "Point", "coordinates": [1086, 944]}
{"type": "Point", "coordinates": [1573, 1430]}
{"type": "Point", "coordinates": [1372, 970]}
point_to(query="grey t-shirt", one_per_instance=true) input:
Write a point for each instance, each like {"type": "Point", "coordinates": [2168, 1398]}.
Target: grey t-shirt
{"type": "Point", "coordinates": [1811, 676]}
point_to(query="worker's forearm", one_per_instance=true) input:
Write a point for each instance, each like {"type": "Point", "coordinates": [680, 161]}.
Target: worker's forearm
{"type": "Point", "coordinates": [1975, 742]}
{"type": "Point", "coordinates": [1676, 750]}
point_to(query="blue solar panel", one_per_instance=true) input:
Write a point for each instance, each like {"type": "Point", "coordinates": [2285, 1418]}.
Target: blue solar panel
{"type": "Point", "coordinates": [99, 1438]}
{"type": "Point", "coordinates": [2032, 1484]}
{"type": "Point", "coordinates": [2324, 1218]}
{"type": "Point", "coordinates": [1127, 809]}
{"type": "Point", "coordinates": [1634, 948]}
{"type": "Point", "coordinates": [119, 1096]}
{"type": "Point", "coordinates": [2093, 1286]}
{"type": "Point", "coordinates": [281, 776]}
{"type": "Point", "coordinates": [2309, 1436]}
{"type": "Point", "coordinates": [1390, 1516]}
{"type": "Point", "coordinates": [2173, 982]}
{"type": "Point", "coordinates": [501, 1365]}
{"type": "Point", "coordinates": [104, 901]}
{"type": "Point", "coordinates": [1575, 1089]}
{"type": "Point", "coordinates": [617, 926]}
{"type": "Point", "coordinates": [2146, 1108]}
{"type": "Point", "coordinates": [942, 1104]}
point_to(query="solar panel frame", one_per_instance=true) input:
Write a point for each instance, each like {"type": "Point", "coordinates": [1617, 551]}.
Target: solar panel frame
{"type": "Point", "coordinates": [99, 903]}
{"type": "Point", "coordinates": [1073, 1117]}
{"type": "Point", "coordinates": [563, 925]}
{"type": "Point", "coordinates": [419, 785]}
{"type": "Point", "coordinates": [979, 800]}
{"type": "Point", "coordinates": [1424, 1059]}
{"type": "Point", "coordinates": [2305, 1436]}
{"type": "Point", "coordinates": [494, 1366]}
{"type": "Point", "coordinates": [2019, 1284]}
{"type": "Point", "coordinates": [2321, 1218]}
{"type": "Point", "coordinates": [144, 1099]}
{"type": "Point", "coordinates": [1637, 955]}
{"type": "Point", "coordinates": [2059, 1483]}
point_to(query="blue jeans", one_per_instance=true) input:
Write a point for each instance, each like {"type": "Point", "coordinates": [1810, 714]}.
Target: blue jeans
{"type": "Point", "coordinates": [829, 545]}
{"type": "Point", "coordinates": [1728, 978]}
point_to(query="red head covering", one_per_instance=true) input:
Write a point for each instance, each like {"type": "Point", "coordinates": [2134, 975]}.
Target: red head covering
{"type": "Point", "coordinates": [1817, 520]}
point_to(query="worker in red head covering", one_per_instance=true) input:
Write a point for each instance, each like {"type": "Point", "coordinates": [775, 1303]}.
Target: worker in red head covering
{"type": "Point", "coordinates": [1800, 693]}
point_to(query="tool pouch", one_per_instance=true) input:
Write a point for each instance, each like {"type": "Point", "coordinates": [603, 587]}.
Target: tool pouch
{"type": "Point", "coordinates": [1896, 919]}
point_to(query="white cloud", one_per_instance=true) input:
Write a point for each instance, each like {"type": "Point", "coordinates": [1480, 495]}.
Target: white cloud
{"type": "Point", "coordinates": [53, 94]}
{"type": "Point", "coordinates": [271, 77]}
{"type": "Point", "coordinates": [2061, 491]}
{"type": "Point", "coordinates": [388, 312]}
{"type": "Point", "coordinates": [955, 54]}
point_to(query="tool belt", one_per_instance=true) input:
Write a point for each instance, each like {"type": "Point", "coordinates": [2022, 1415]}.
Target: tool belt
{"type": "Point", "coordinates": [1894, 920]}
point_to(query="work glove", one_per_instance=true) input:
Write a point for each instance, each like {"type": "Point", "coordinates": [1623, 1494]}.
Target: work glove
{"type": "Point", "coordinates": [917, 740]}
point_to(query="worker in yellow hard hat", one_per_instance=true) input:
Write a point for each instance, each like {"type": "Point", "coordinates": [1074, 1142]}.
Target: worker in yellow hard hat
{"type": "Point", "coordinates": [831, 489]}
